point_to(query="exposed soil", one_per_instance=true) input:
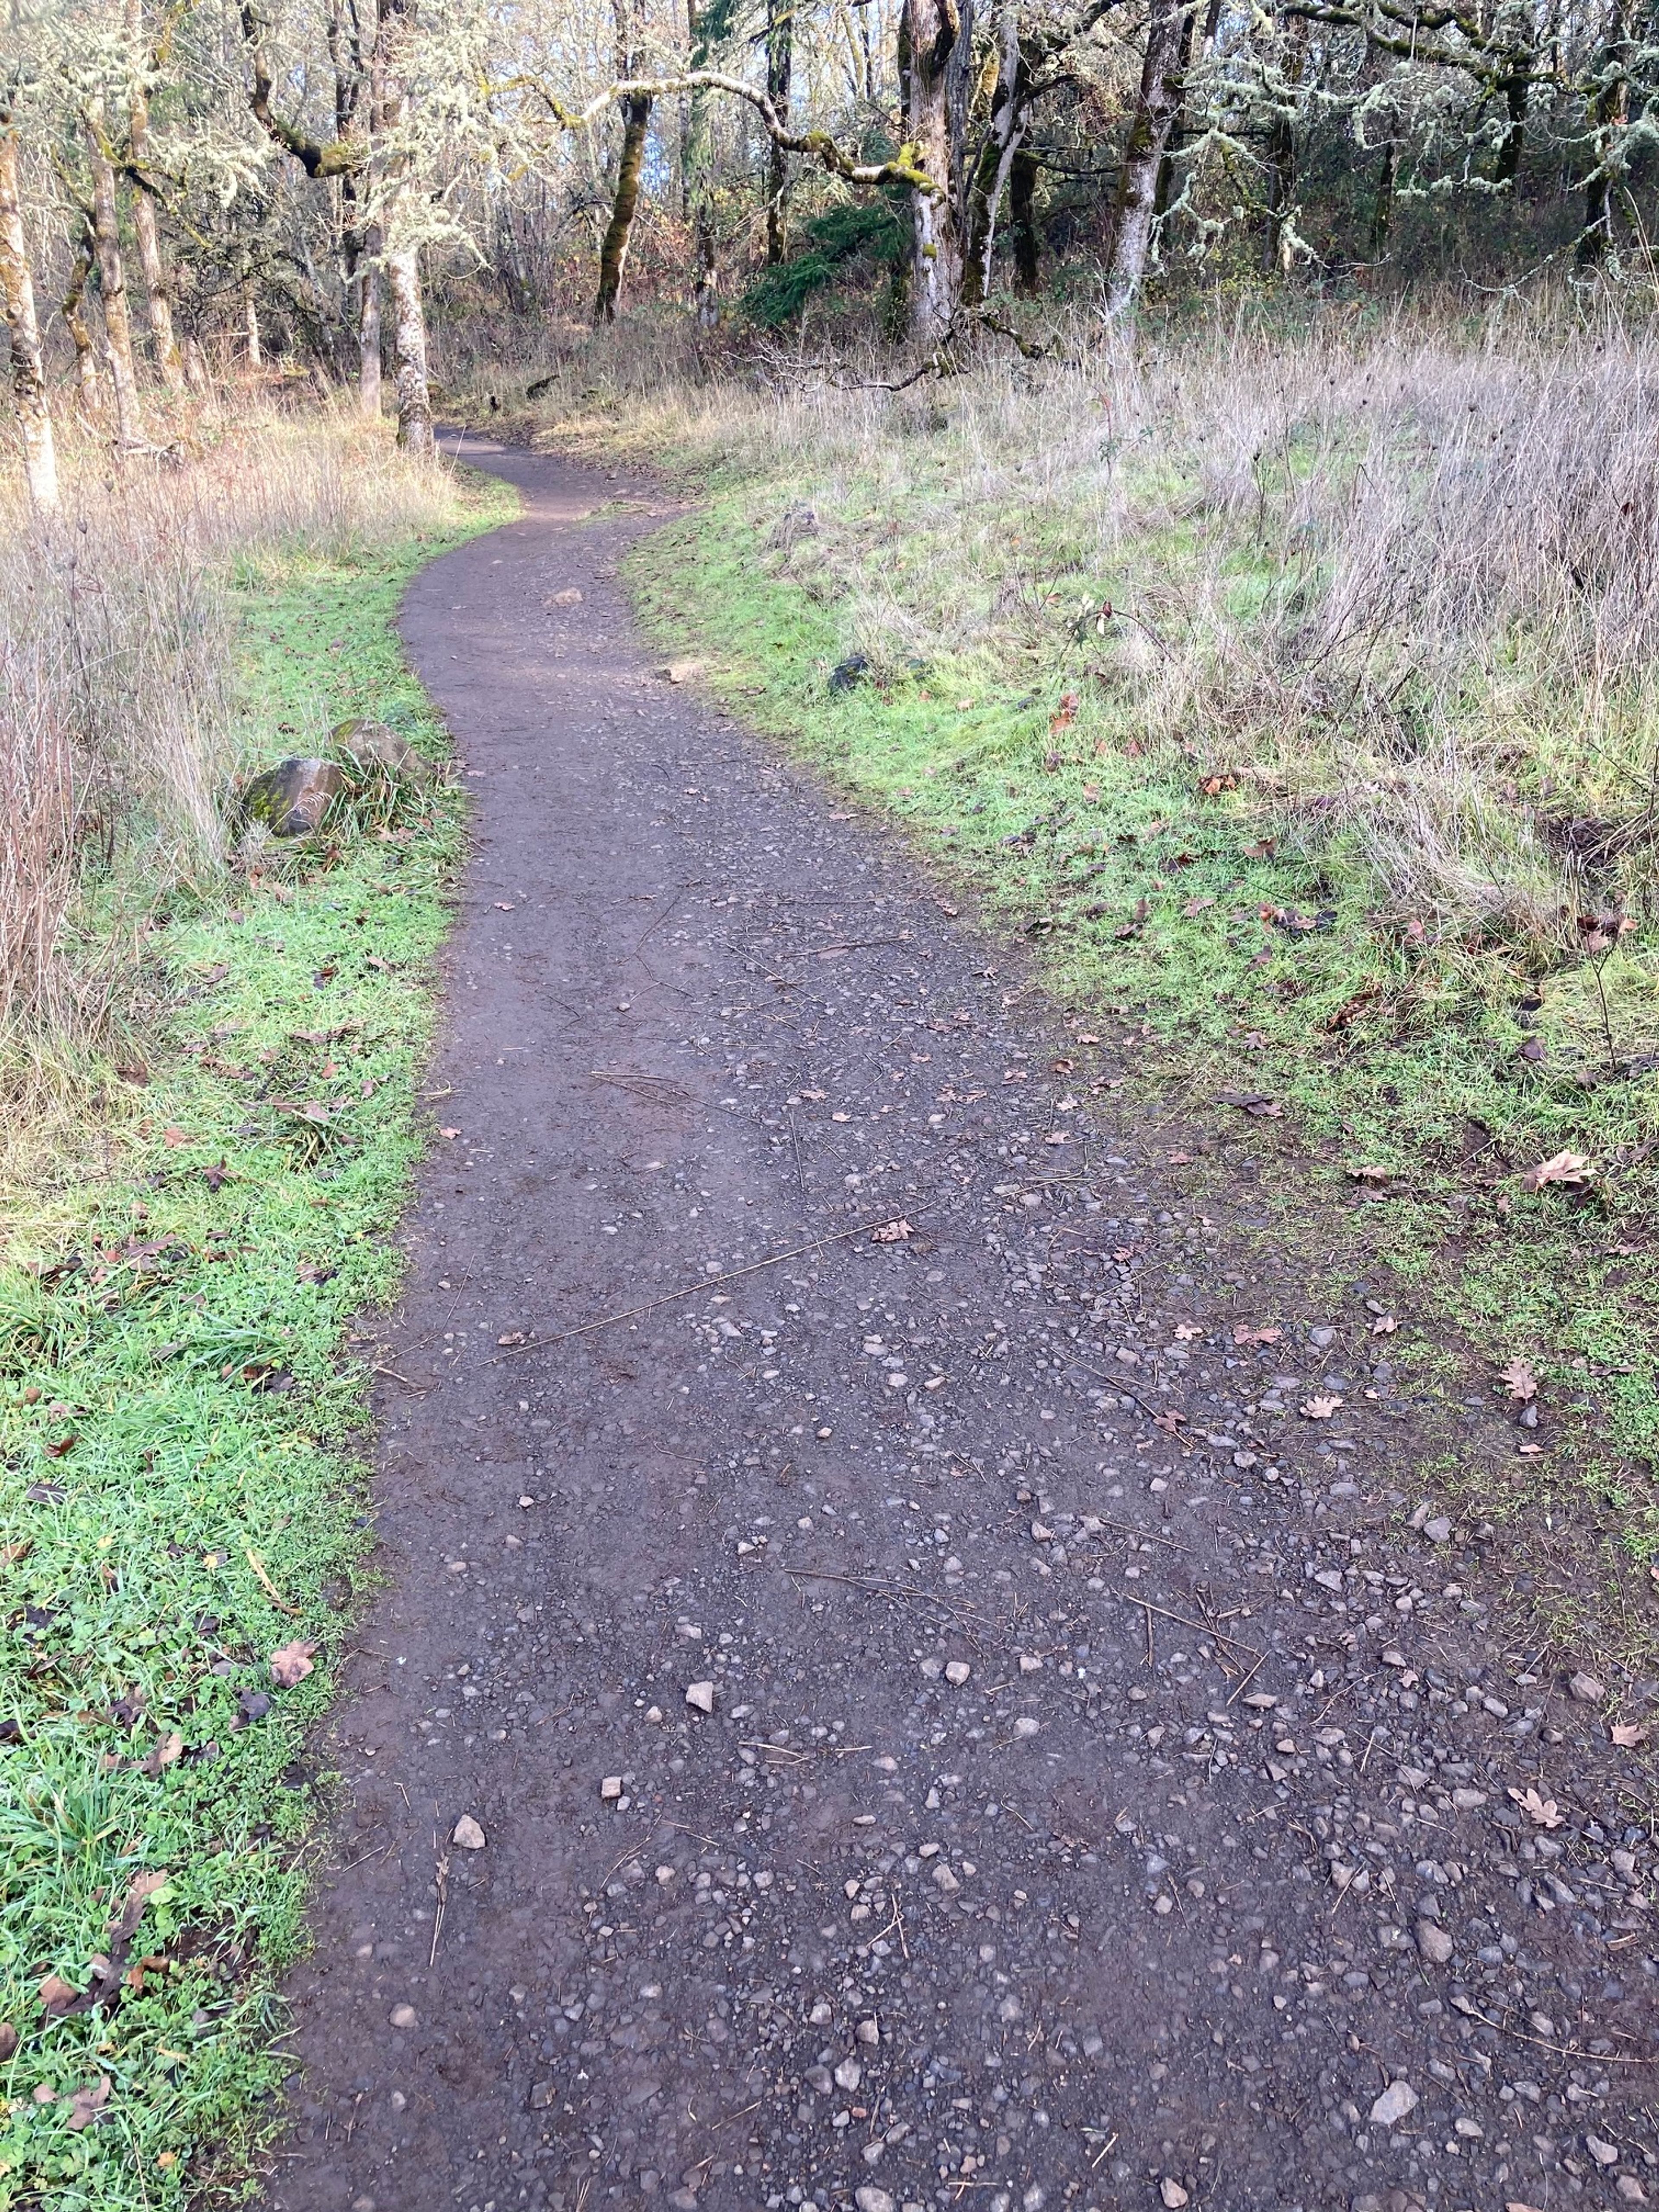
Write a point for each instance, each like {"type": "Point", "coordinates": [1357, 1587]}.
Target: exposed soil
{"type": "Point", "coordinates": [993, 1878]}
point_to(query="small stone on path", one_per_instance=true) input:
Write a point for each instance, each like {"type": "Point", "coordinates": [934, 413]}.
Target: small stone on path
{"type": "Point", "coordinates": [1433, 1941]}
{"type": "Point", "coordinates": [468, 1834]}
{"type": "Point", "coordinates": [1397, 2100]}
{"type": "Point", "coordinates": [702, 1696]}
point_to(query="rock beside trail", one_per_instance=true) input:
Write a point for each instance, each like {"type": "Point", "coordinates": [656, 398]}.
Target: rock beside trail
{"type": "Point", "coordinates": [377, 743]}
{"type": "Point", "coordinates": [291, 798]}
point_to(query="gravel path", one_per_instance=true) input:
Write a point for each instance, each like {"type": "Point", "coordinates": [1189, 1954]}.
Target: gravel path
{"type": "Point", "coordinates": [924, 1722]}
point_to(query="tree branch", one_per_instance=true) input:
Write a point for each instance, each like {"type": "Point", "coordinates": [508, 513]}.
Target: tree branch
{"type": "Point", "coordinates": [815, 145]}
{"type": "Point", "coordinates": [340, 157]}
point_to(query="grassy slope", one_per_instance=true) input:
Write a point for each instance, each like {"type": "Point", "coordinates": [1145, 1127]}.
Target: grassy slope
{"type": "Point", "coordinates": [179, 1492]}
{"type": "Point", "coordinates": [1152, 901]}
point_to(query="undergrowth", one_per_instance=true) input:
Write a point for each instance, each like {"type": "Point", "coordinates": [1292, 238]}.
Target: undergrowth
{"type": "Point", "coordinates": [179, 1495]}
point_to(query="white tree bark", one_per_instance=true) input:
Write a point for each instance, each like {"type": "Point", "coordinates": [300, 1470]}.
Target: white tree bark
{"type": "Point", "coordinates": [28, 382]}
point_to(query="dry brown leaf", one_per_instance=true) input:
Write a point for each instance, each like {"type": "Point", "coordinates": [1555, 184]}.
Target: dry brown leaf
{"type": "Point", "coordinates": [891, 1232]}
{"type": "Point", "coordinates": [56, 1994]}
{"type": "Point", "coordinates": [1384, 1325]}
{"type": "Point", "coordinates": [291, 1663]}
{"type": "Point", "coordinates": [1244, 1333]}
{"type": "Point", "coordinates": [165, 1753]}
{"type": "Point", "coordinates": [1519, 1380]}
{"type": "Point", "coordinates": [1186, 1330]}
{"type": "Point", "coordinates": [1319, 1409]}
{"type": "Point", "coordinates": [1628, 1734]}
{"type": "Point", "coordinates": [1542, 1812]}
{"type": "Point", "coordinates": [86, 2103]}
{"type": "Point", "coordinates": [1372, 1175]}
{"type": "Point", "coordinates": [1572, 1169]}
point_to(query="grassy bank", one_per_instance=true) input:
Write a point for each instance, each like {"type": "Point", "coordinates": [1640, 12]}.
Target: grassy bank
{"type": "Point", "coordinates": [1313, 753]}
{"type": "Point", "coordinates": [179, 1496]}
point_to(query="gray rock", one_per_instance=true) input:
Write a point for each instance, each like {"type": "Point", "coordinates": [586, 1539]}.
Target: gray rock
{"type": "Point", "coordinates": [291, 798]}
{"type": "Point", "coordinates": [1397, 2101]}
{"type": "Point", "coordinates": [869, 2198]}
{"type": "Point", "coordinates": [1438, 1531]}
{"type": "Point", "coordinates": [1434, 1944]}
{"type": "Point", "coordinates": [1586, 1689]}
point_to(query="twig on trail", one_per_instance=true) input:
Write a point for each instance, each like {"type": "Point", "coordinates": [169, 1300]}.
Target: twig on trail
{"type": "Point", "coordinates": [710, 1283]}
{"type": "Point", "coordinates": [631, 1850]}
{"type": "Point", "coordinates": [1201, 1628]}
{"type": "Point", "coordinates": [441, 1884]}
{"type": "Point", "coordinates": [667, 910]}
{"type": "Point", "coordinates": [695, 1832]}
{"type": "Point", "coordinates": [1561, 2049]}
{"type": "Point", "coordinates": [1150, 1535]}
{"type": "Point", "coordinates": [420, 1389]}
{"type": "Point", "coordinates": [890, 1590]}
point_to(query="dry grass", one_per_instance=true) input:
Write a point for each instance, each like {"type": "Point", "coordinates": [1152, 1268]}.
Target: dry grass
{"type": "Point", "coordinates": [1404, 578]}
{"type": "Point", "coordinates": [117, 730]}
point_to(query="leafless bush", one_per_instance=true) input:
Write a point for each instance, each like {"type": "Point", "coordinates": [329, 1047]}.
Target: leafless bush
{"type": "Point", "coordinates": [120, 619]}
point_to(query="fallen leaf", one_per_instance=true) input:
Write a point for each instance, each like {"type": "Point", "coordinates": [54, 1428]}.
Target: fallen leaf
{"type": "Point", "coordinates": [56, 1994]}
{"type": "Point", "coordinates": [1196, 906]}
{"type": "Point", "coordinates": [1519, 1380]}
{"type": "Point", "coordinates": [1371, 1174]}
{"type": "Point", "coordinates": [291, 1663]}
{"type": "Point", "coordinates": [86, 2103]}
{"type": "Point", "coordinates": [1244, 1333]}
{"type": "Point", "coordinates": [174, 1136]}
{"type": "Point", "coordinates": [1180, 1160]}
{"type": "Point", "coordinates": [62, 1447]}
{"type": "Point", "coordinates": [891, 1232]}
{"type": "Point", "coordinates": [1263, 849]}
{"type": "Point", "coordinates": [572, 598]}
{"type": "Point", "coordinates": [8, 2039]}
{"type": "Point", "coordinates": [1186, 1330]}
{"type": "Point", "coordinates": [1543, 1812]}
{"type": "Point", "coordinates": [449, 1133]}
{"type": "Point", "coordinates": [1252, 1101]}
{"type": "Point", "coordinates": [1628, 1734]}
{"type": "Point", "coordinates": [167, 1753]}
{"type": "Point", "coordinates": [1319, 1409]}
{"type": "Point", "coordinates": [1572, 1170]}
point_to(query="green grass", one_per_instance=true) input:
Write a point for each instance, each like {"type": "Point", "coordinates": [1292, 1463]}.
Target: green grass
{"type": "Point", "coordinates": [180, 1492]}
{"type": "Point", "coordinates": [1230, 963]}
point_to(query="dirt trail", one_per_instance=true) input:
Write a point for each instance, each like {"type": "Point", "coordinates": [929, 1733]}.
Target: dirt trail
{"type": "Point", "coordinates": [993, 1878]}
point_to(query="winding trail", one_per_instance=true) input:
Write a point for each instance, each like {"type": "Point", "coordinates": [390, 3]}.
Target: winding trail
{"type": "Point", "coordinates": [993, 1879]}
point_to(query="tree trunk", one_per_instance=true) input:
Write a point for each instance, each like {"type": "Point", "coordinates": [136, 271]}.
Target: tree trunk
{"type": "Point", "coordinates": [935, 42]}
{"type": "Point", "coordinates": [1279, 156]}
{"type": "Point", "coordinates": [255, 352]}
{"type": "Point", "coordinates": [709, 26]}
{"type": "Point", "coordinates": [18, 280]}
{"type": "Point", "coordinates": [158, 291]}
{"type": "Point", "coordinates": [403, 273]}
{"type": "Point", "coordinates": [111, 283]}
{"type": "Point", "coordinates": [1609, 118]}
{"type": "Point", "coordinates": [1004, 135]}
{"type": "Point", "coordinates": [1165, 197]}
{"type": "Point", "coordinates": [613, 252]}
{"type": "Point", "coordinates": [1516, 87]}
{"type": "Point", "coordinates": [75, 322]}
{"type": "Point", "coordinates": [1383, 202]}
{"type": "Point", "coordinates": [1022, 224]}
{"type": "Point", "coordinates": [779, 66]}
{"type": "Point", "coordinates": [1149, 134]}
{"type": "Point", "coordinates": [369, 324]}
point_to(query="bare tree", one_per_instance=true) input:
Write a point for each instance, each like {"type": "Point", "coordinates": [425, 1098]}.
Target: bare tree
{"type": "Point", "coordinates": [158, 291]}
{"type": "Point", "coordinates": [1159, 101]}
{"type": "Point", "coordinates": [112, 280]}
{"type": "Point", "coordinates": [17, 281]}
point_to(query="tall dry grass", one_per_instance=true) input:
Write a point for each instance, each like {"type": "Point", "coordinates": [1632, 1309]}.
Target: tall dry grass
{"type": "Point", "coordinates": [1401, 569]}
{"type": "Point", "coordinates": [119, 617]}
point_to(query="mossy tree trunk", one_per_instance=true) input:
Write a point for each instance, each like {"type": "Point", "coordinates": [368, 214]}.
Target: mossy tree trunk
{"type": "Point", "coordinates": [1136, 212]}
{"type": "Point", "coordinates": [935, 46]}
{"type": "Point", "coordinates": [111, 283]}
